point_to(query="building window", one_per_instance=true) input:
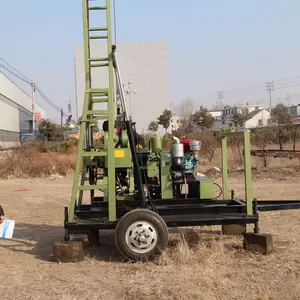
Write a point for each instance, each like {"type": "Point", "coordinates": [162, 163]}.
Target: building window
{"type": "Point", "coordinates": [260, 122]}
{"type": "Point", "coordinates": [25, 119]}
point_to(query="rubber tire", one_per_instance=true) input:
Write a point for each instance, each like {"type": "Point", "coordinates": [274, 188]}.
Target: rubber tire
{"type": "Point", "coordinates": [139, 215]}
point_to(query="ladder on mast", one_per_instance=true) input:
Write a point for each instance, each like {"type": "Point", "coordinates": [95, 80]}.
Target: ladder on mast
{"type": "Point", "coordinates": [91, 115]}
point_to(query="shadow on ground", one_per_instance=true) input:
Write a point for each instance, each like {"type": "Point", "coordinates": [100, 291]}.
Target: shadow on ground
{"type": "Point", "coordinates": [38, 239]}
{"type": "Point", "coordinates": [34, 239]}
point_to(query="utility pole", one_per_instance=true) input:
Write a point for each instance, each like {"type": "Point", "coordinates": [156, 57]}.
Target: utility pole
{"type": "Point", "coordinates": [220, 97]}
{"type": "Point", "coordinates": [129, 92]}
{"type": "Point", "coordinates": [33, 101]}
{"type": "Point", "coordinates": [61, 117]}
{"type": "Point", "coordinates": [270, 89]}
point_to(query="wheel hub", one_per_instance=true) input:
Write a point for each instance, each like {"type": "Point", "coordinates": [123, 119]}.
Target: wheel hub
{"type": "Point", "coordinates": [141, 237]}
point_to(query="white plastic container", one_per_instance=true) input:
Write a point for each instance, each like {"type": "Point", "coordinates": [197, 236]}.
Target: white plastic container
{"type": "Point", "coordinates": [7, 229]}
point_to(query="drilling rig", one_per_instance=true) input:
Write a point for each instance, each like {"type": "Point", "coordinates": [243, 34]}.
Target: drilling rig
{"type": "Point", "coordinates": [139, 190]}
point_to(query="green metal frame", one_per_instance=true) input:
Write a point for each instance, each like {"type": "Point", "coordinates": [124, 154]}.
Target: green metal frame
{"type": "Point", "coordinates": [86, 152]}
{"type": "Point", "coordinates": [247, 166]}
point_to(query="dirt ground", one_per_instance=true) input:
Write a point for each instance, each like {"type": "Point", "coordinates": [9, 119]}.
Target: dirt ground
{"type": "Point", "coordinates": [216, 267]}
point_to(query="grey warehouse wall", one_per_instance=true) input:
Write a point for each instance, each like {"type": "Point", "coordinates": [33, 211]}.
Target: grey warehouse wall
{"type": "Point", "coordinates": [15, 112]}
{"type": "Point", "coordinates": [14, 120]}
{"type": "Point", "coordinates": [145, 64]}
{"type": "Point", "coordinates": [14, 117]}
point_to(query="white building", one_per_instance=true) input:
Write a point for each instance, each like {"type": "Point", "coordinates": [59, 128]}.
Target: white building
{"type": "Point", "coordinates": [258, 118]}
{"type": "Point", "coordinates": [216, 113]}
{"type": "Point", "coordinates": [241, 109]}
{"type": "Point", "coordinates": [255, 116]}
{"type": "Point", "coordinates": [15, 112]}
{"type": "Point", "coordinates": [145, 66]}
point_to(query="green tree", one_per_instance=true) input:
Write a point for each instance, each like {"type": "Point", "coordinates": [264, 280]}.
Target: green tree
{"type": "Point", "coordinates": [202, 118]}
{"type": "Point", "coordinates": [165, 119]}
{"type": "Point", "coordinates": [282, 120]}
{"type": "Point", "coordinates": [49, 129]}
{"type": "Point", "coordinates": [239, 116]}
{"type": "Point", "coordinates": [209, 144]}
{"type": "Point", "coordinates": [280, 115]}
{"type": "Point", "coordinates": [153, 126]}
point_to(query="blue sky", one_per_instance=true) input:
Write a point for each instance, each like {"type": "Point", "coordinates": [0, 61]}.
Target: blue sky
{"type": "Point", "coordinates": [213, 45]}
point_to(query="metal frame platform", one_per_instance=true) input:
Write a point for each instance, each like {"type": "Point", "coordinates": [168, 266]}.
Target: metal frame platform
{"type": "Point", "coordinates": [179, 213]}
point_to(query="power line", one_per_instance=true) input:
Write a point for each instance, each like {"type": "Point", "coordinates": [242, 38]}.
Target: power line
{"type": "Point", "coordinates": [282, 83]}
{"type": "Point", "coordinates": [22, 77]}
{"type": "Point", "coordinates": [48, 100]}
{"type": "Point", "coordinates": [270, 86]}
{"type": "Point", "coordinates": [240, 94]}
{"type": "Point", "coordinates": [286, 79]}
{"type": "Point", "coordinates": [292, 84]}
{"type": "Point", "coordinates": [17, 71]}
{"type": "Point", "coordinates": [30, 83]}
{"type": "Point", "coordinates": [15, 74]}
{"type": "Point", "coordinates": [287, 82]}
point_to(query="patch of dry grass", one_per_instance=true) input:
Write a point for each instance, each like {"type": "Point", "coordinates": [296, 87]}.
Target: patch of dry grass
{"type": "Point", "coordinates": [200, 264]}
{"type": "Point", "coordinates": [214, 267]}
{"type": "Point", "coordinates": [36, 160]}
{"type": "Point", "coordinates": [204, 266]}
{"type": "Point", "coordinates": [30, 162]}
